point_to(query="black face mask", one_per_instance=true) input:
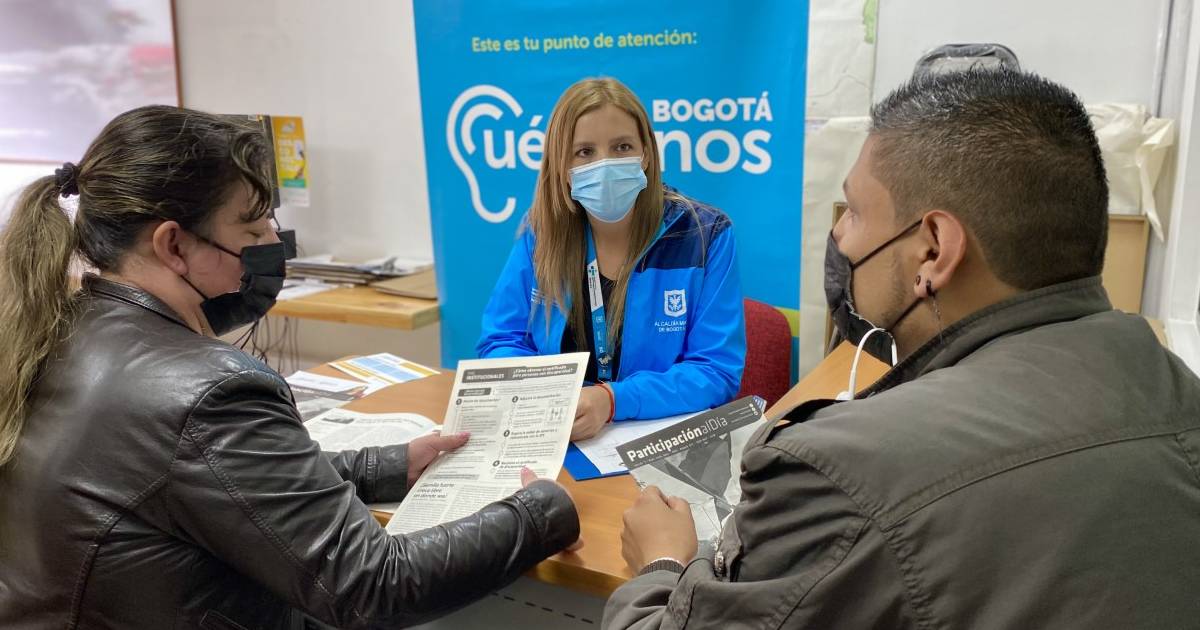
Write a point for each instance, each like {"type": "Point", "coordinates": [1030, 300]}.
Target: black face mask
{"type": "Point", "coordinates": [839, 272]}
{"type": "Point", "coordinates": [263, 272]}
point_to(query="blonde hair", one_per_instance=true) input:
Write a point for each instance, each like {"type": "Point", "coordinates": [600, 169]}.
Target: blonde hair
{"type": "Point", "coordinates": [36, 308]}
{"type": "Point", "coordinates": [557, 220]}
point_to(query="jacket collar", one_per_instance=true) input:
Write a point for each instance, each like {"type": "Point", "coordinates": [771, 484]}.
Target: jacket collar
{"type": "Point", "coordinates": [672, 210]}
{"type": "Point", "coordinates": [94, 285]}
{"type": "Point", "coordinates": [1056, 303]}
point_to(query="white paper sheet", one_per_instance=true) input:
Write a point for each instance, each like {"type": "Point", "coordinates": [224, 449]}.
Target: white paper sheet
{"type": "Point", "coordinates": [293, 289]}
{"type": "Point", "coordinates": [602, 449]}
{"type": "Point", "coordinates": [519, 413]}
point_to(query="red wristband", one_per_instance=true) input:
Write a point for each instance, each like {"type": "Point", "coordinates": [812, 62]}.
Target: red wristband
{"type": "Point", "coordinates": [612, 403]}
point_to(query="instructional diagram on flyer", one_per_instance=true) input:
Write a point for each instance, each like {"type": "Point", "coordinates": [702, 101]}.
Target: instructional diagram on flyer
{"type": "Point", "coordinates": [519, 413]}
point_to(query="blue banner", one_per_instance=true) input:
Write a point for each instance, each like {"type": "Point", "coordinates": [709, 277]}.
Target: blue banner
{"type": "Point", "coordinates": [724, 83]}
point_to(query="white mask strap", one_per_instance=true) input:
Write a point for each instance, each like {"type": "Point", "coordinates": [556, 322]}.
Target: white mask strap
{"type": "Point", "coordinates": [853, 385]}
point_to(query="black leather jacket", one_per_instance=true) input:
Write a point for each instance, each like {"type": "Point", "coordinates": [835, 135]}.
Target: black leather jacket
{"type": "Point", "coordinates": [164, 480]}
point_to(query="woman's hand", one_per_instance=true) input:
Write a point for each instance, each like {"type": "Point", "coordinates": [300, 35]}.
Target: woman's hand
{"type": "Point", "coordinates": [423, 450]}
{"type": "Point", "coordinates": [593, 411]}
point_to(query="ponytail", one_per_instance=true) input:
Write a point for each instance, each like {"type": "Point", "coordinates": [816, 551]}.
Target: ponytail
{"type": "Point", "coordinates": [36, 250]}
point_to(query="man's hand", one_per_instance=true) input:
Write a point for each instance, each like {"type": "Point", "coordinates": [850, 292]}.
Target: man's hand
{"type": "Point", "coordinates": [423, 450]}
{"type": "Point", "coordinates": [593, 411]}
{"type": "Point", "coordinates": [658, 527]}
{"type": "Point", "coordinates": [528, 477]}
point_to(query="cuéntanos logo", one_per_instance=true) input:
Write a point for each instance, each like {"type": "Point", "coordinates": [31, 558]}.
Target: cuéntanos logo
{"type": "Point", "coordinates": [513, 140]}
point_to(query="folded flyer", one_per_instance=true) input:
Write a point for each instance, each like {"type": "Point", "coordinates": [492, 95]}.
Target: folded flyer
{"type": "Point", "coordinates": [519, 412]}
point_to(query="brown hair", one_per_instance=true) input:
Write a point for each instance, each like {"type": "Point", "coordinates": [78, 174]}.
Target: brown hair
{"type": "Point", "coordinates": [150, 164]}
{"type": "Point", "coordinates": [557, 220]}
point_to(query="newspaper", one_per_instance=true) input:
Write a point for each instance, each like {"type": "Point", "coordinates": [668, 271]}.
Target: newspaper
{"type": "Point", "coordinates": [519, 412]}
{"type": "Point", "coordinates": [698, 460]}
{"type": "Point", "coordinates": [342, 430]}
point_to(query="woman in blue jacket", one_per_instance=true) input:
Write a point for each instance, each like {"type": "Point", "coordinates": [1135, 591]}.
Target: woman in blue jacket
{"type": "Point", "coordinates": [612, 262]}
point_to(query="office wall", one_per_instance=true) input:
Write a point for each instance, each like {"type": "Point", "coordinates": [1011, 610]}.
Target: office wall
{"type": "Point", "coordinates": [1108, 51]}
{"type": "Point", "coordinates": [349, 68]}
{"type": "Point", "coordinates": [13, 177]}
{"type": "Point", "coordinates": [1104, 50]}
{"type": "Point", "coordinates": [1112, 51]}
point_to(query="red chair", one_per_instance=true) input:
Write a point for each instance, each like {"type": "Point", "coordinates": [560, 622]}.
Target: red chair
{"type": "Point", "coordinates": [768, 372]}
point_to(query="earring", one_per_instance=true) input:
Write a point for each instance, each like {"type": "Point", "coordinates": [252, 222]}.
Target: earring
{"type": "Point", "coordinates": [928, 287]}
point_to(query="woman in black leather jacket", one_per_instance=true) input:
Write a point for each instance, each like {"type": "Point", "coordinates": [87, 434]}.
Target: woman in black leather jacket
{"type": "Point", "coordinates": [151, 475]}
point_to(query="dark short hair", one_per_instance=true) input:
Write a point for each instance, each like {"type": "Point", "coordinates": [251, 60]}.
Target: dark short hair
{"type": "Point", "coordinates": [1011, 154]}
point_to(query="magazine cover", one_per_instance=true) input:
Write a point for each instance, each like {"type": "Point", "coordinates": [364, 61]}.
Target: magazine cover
{"type": "Point", "coordinates": [699, 460]}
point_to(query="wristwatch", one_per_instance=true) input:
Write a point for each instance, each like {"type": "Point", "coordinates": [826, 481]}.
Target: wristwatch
{"type": "Point", "coordinates": [662, 564]}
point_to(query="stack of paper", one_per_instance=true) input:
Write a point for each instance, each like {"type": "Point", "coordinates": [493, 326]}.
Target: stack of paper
{"type": "Point", "coordinates": [342, 430]}
{"type": "Point", "coordinates": [325, 267]}
{"type": "Point", "coordinates": [294, 288]}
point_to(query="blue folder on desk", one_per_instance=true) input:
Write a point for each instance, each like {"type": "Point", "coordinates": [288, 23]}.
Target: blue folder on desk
{"type": "Point", "coordinates": [582, 468]}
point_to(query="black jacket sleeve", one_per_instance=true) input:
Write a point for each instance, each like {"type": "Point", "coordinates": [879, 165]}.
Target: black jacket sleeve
{"type": "Point", "coordinates": [249, 486]}
{"type": "Point", "coordinates": [379, 473]}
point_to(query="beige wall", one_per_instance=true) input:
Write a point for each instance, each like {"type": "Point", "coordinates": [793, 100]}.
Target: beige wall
{"type": "Point", "coordinates": [349, 68]}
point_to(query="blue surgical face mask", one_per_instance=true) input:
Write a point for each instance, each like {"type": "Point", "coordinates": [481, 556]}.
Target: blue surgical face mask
{"type": "Point", "coordinates": [608, 188]}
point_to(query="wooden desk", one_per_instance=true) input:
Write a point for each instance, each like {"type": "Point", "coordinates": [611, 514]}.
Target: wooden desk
{"type": "Point", "coordinates": [360, 305]}
{"type": "Point", "coordinates": [830, 377]}
{"type": "Point", "coordinates": [832, 374]}
{"type": "Point", "coordinates": [598, 568]}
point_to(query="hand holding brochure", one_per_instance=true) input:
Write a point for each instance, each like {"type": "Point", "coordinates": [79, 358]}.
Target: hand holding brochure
{"type": "Point", "coordinates": [519, 413]}
{"type": "Point", "coordinates": [698, 460]}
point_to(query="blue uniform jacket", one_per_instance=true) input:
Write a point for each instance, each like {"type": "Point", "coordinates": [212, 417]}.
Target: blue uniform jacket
{"type": "Point", "coordinates": [683, 341]}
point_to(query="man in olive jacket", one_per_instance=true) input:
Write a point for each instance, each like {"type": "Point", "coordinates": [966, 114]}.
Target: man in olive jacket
{"type": "Point", "coordinates": [1033, 461]}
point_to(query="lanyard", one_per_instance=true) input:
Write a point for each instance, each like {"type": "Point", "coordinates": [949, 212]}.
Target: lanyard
{"type": "Point", "coordinates": [599, 320]}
